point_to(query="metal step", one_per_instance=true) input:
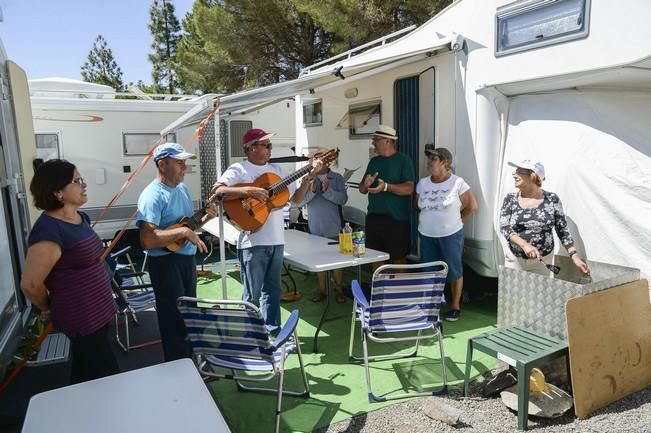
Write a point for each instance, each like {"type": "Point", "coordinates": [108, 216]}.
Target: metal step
{"type": "Point", "coordinates": [55, 349]}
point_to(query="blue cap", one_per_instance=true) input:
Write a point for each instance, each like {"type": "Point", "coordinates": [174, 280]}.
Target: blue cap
{"type": "Point", "coordinates": [171, 150]}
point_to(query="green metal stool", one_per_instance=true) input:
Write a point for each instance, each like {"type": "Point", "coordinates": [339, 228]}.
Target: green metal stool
{"type": "Point", "coordinates": [521, 348]}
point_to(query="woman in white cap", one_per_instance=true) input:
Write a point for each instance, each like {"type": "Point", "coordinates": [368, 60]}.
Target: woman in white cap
{"type": "Point", "coordinates": [527, 219]}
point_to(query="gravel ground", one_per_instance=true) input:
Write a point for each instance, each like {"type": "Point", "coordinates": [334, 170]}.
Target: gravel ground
{"type": "Point", "coordinates": [631, 414]}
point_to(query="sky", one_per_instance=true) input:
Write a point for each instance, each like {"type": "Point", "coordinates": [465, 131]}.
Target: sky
{"type": "Point", "coordinates": [52, 38]}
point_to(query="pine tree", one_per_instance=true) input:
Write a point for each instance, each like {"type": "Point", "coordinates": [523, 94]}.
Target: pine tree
{"type": "Point", "coordinates": [234, 44]}
{"type": "Point", "coordinates": [100, 66]}
{"type": "Point", "coordinates": [165, 28]}
{"type": "Point", "coordinates": [355, 22]}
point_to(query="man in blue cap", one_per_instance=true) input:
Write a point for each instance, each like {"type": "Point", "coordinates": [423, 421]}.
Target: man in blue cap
{"type": "Point", "coordinates": [173, 274]}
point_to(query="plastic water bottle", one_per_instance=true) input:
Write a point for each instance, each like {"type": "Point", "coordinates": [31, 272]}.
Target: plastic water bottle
{"type": "Point", "coordinates": [347, 239]}
{"type": "Point", "coordinates": [359, 244]}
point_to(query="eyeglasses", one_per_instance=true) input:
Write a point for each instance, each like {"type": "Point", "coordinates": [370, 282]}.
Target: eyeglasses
{"type": "Point", "coordinates": [79, 181]}
{"type": "Point", "coordinates": [266, 145]}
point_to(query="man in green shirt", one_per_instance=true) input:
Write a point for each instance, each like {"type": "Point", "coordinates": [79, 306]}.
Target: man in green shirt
{"type": "Point", "coordinates": [389, 182]}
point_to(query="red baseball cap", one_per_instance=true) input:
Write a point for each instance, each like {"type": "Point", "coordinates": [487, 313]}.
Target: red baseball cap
{"type": "Point", "coordinates": [254, 135]}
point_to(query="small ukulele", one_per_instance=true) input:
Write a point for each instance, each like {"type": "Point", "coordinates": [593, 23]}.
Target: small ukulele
{"type": "Point", "coordinates": [250, 214]}
{"type": "Point", "coordinates": [194, 222]}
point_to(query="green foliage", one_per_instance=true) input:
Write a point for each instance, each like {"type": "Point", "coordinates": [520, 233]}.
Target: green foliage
{"type": "Point", "coordinates": [234, 44]}
{"type": "Point", "coordinates": [100, 66]}
{"type": "Point", "coordinates": [166, 30]}
{"type": "Point", "coordinates": [355, 22]}
{"type": "Point", "coordinates": [230, 45]}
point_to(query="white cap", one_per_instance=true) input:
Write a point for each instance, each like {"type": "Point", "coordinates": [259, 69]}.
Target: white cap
{"type": "Point", "coordinates": [535, 166]}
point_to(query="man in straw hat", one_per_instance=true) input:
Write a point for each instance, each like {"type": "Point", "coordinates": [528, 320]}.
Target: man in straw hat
{"type": "Point", "coordinates": [324, 193]}
{"type": "Point", "coordinates": [389, 182]}
{"type": "Point", "coordinates": [261, 252]}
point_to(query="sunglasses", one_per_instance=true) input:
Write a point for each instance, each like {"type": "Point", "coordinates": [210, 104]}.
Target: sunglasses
{"type": "Point", "coordinates": [266, 145]}
{"type": "Point", "coordinates": [79, 181]}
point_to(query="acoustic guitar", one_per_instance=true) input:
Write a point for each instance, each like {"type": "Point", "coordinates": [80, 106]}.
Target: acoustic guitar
{"type": "Point", "coordinates": [250, 214]}
{"type": "Point", "coordinates": [194, 222]}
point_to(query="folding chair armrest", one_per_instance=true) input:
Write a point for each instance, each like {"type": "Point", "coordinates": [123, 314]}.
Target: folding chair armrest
{"type": "Point", "coordinates": [131, 274]}
{"type": "Point", "coordinates": [287, 330]}
{"type": "Point", "coordinates": [358, 294]}
{"type": "Point", "coordinates": [121, 252]}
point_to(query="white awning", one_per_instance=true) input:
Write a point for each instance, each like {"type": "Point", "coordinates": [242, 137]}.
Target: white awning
{"type": "Point", "coordinates": [410, 48]}
{"type": "Point", "coordinates": [634, 76]}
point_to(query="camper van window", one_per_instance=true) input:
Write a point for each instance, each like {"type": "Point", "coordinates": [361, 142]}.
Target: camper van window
{"type": "Point", "coordinates": [237, 128]}
{"type": "Point", "coordinates": [526, 25]}
{"type": "Point", "coordinates": [47, 146]}
{"type": "Point", "coordinates": [363, 119]}
{"type": "Point", "coordinates": [312, 113]}
{"type": "Point", "coordinates": [139, 143]}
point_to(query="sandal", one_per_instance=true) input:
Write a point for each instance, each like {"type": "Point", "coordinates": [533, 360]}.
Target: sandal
{"type": "Point", "coordinates": [319, 296]}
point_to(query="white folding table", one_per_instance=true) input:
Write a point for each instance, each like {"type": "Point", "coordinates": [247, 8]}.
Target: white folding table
{"type": "Point", "coordinates": [164, 398]}
{"type": "Point", "coordinates": [318, 254]}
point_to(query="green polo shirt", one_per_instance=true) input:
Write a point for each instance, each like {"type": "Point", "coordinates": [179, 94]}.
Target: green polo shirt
{"type": "Point", "coordinates": [396, 168]}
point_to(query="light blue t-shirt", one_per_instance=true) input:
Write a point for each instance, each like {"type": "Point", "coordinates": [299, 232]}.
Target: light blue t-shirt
{"type": "Point", "coordinates": [164, 206]}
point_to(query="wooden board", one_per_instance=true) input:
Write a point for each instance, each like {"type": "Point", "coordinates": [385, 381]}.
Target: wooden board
{"type": "Point", "coordinates": [609, 337]}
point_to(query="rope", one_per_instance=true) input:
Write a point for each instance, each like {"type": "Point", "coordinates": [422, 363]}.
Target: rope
{"type": "Point", "coordinates": [196, 135]}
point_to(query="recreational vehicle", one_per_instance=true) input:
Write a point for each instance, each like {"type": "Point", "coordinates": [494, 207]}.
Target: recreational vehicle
{"type": "Point", "coordinates": [107, 135]}
{"type": "Point", "coordinates": [17, 150]}
{"type": "Point", "coordinates": [566, 82]}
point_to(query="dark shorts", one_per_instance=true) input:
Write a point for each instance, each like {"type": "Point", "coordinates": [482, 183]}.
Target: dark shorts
{"type": "Point", "coordinates": [448, 249]}
{"type": "Point", "coordinates": [383, 233]}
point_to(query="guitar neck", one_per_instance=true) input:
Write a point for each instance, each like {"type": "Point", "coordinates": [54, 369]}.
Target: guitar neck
{"type": "Point", "coordinates": [283, 183]}
{"type": "Point", "coordinates": [194, 222]}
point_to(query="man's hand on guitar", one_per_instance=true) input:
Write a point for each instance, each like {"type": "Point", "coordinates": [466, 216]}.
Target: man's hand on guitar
{"type": "Point", "coordinates": [260, 194]}
{"type": "Point", "coordinates": [192, 237]}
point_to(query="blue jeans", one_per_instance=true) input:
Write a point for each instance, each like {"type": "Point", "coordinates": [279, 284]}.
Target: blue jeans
{"type": "Point", "coordinates": [261, 267]}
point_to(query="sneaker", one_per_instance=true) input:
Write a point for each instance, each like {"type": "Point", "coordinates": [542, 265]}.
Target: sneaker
{"type": "Point", "coordinates": [452, 315]}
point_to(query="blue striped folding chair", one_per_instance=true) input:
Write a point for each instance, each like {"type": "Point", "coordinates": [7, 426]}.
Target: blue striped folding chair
{"type": "Point", "coordinates": [132, 295]}
{"type": "Point", "coordinates": [231, 336]}
{"type": "Point", "coordinates": [402, 303]}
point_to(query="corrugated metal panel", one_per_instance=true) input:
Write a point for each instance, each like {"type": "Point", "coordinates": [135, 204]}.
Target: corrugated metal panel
{"type": "Point", "coordinates": [406, 115]}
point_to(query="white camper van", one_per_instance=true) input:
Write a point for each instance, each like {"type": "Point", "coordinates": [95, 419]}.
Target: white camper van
{"type": "Point", "coordinates": [107, 136]}
{"type": "Point", "coordinates": [567, 82]}
{"type": "Point", "coordinates": [16, 153]}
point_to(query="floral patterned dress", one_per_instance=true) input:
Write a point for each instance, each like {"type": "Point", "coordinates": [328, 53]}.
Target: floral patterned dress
{"type": "Point", "coordinates": [534, 225]}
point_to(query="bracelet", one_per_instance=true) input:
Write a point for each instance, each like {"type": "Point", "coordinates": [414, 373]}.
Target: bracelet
{"type": "Point", "coordinates": [572, 253]}
{"type": "Point", "coordinates": [386, 187]}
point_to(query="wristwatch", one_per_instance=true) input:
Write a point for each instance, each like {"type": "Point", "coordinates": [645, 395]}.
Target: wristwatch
{"type": "Point", "coordinates": [572, 253]}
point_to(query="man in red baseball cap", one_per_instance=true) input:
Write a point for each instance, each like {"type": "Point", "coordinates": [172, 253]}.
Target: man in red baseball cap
{"type": "Point", "coordinates": [260, 252]}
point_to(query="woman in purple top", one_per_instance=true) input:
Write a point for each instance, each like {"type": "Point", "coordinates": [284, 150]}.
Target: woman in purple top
{"type": "Point", "coordinates": [64, 276]}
